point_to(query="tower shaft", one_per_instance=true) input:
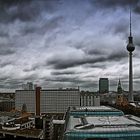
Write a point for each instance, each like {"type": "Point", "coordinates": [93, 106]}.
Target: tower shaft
{"type": "Point", "coordinates": [130, 78]}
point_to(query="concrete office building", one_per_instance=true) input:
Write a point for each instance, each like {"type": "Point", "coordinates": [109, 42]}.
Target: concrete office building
{"type": "Point", "coordinates": [103, 85]}
{"type": "Point", "coordinates": [51, 100]}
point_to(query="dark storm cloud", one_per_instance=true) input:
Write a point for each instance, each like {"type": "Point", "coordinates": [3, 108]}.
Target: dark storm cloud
{"type": "Point", "coordinates": [6, 51]}
{"type": "Point", "coordinates": [64, 79]}
{"type": "Point", "coordinates": [97, 65]}
{"type": "Point", "coordinates": [137, 9]}
{"type": "Point", "coordinates": [114, 3]}
{"type": "Point", "coordinates": [114, 83]}
{"type": "Point", "coordinates": [14, 82]}
{"type": "Point", "coordinates": [62, 64]}
{"type": "Point", "coordinates": [3, 34]}
{"type": "Point", "coordinates": [33, 68]}
{"type": "Point", "coordinates": [3, 64]}
{"type": "Point", "coordinates": [30, 77]}
{"type": "Point", "coordinates": [49, 26]}
{"type": "Point", "coordinates": [117, 56]}
{"type": "Point", "coordinates": [63, 72]}
{"type": "Point", "coordinates": [118, 28]}
{"type": "Point", "coordinates": [15, 9]}
{"type": "Point", "coordinates": [89, 84]}
{"type": "Point", "coordinates": [67, 63]}
{"type": "Point", "coordinates": [3, 78]}
{"type": "Point", "coordinates": [137, 41]}
{"type": "Point", "coordinates": [24, 10]}
{"type": "Point", "coordinates": [17, 80]}
{"type": "Point", "coordinates": [92, 51]}
{"type": "Point", "coordinates": [12, 2]}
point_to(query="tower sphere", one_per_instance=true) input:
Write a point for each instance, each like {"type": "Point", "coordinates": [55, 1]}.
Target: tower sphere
{"type": "Point", "coordinates": [130, 47]}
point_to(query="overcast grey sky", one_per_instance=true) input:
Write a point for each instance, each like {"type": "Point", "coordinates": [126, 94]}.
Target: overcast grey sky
{"type": "Point", "coordinates": [67, 43]}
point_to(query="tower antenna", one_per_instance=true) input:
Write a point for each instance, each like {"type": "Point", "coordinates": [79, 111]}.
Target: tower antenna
{"type": "Point", "coordinates": [130, 23]}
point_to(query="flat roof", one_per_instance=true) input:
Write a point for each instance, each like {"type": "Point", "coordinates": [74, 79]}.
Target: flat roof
{"type": "Point", "coordinates": [57, 89]}
{"type": "Point", "coordinates": [103, 124]}
{"type": "Point", "coordinates": [101, 108]}
{"type": "Point", "coordinates": [95, 110]}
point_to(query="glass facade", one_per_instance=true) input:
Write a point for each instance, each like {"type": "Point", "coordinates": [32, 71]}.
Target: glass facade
{"type": "Point", "coordinates": [99, 113]}
{"type": "Point", "coordinates": [107, 136]}
{"type": "Point", "coordinates": [103, 85]}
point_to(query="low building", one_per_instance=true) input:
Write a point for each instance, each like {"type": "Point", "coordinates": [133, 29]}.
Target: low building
{"type": "Point", "coordinates": [18, 124]}
{"type": "Point", "coordinates": [100, 123]}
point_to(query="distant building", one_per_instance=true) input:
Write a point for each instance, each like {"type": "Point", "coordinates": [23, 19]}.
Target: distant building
{"type": "Point", "coordinates": [89, 99]}
{"type": "Point", "coordinates": [28, 86]}
{"type": "Point", "coordinates": [103, 85]}
{"type": "Point", "coordinates": [119, 88]}
{"type": "Point", "coordinates": [51, 100]}
{"type": "Point", "coordinates": [121, 98]}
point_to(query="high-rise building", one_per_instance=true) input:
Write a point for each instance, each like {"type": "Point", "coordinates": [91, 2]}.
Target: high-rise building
{"type": "Point", "coordinates": [51, 100]}
{"type": "Point", "coordinates": [103, 85]}
{"type": "Point", "coordinates": [130, 48]}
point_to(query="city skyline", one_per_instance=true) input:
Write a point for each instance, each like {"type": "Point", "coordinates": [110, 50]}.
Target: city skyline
{"type": "Point", "coordinates": [64, 43]}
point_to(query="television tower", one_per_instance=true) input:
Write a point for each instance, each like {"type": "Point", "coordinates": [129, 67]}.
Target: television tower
{"type": "Point", "coordinates": [130, 48]}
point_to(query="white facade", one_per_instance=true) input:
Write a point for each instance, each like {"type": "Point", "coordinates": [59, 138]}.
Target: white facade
{"type": "Point", "coordinates": [96, 100]}
{"type": "Point", "coordinates": [51, 101]}
{"type": "Point", "coordinates": [89, 99]}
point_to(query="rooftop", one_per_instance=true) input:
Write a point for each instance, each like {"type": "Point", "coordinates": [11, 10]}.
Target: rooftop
{"type": "Point", "coordinates": [55, 89]}
{"type": "Point", "coordinates": [101, 126]}
{"type": "Point", "coordinates": [96, 110]}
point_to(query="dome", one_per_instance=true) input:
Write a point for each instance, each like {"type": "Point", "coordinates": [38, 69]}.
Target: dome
{"type": "Point", "coordinates": [130, 47]}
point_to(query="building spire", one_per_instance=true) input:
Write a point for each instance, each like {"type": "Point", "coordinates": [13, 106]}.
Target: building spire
{"type": "Point", "coordinates": [119, 88]}
{"type": "Point", "coordinates": [119, 83]}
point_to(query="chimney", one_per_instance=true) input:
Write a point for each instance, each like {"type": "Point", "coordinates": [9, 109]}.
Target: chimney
{"type": "Point", "coordinates": [38, 100]}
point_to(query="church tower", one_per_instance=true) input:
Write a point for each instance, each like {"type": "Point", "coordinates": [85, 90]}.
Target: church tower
{"type": "Point", "coordinates": [119, 88]}
{"type": "Point", "coordinates": [119, 98]}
